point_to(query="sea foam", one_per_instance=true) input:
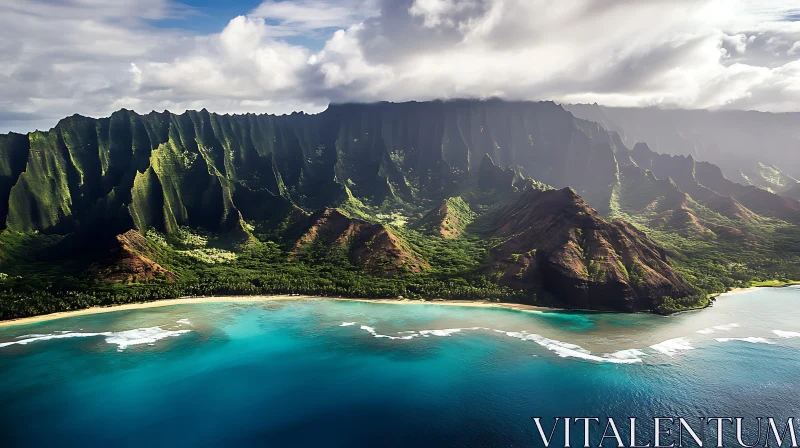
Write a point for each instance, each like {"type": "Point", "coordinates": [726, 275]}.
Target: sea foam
{"type": "Point", "coordinates": [632, 353]}
{"type": "Point", "coordinates": [374, 333]}
{"type": "Point", "coordinates": [670, 347]}
{"type": "Point", "coordinates": [568, 350]}
{"type": "Point", "coordinates": [786, 334]}
{"type": "Point", "coordinates": [562, 349]}
{"type": "Point", "coordinates": [714, 329]}
{"type": "Point", "coordinates": [751, 339]}
{"type": "Point", "coordinates": [122, 339]}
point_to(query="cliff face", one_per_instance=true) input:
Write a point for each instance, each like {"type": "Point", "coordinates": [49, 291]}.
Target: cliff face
{"type": "Point", "coordinates": [554, 242]}
{"type": "Point", "coordinates": [200, 169]}
{"type": "Point", "coordinates": [439, 165]}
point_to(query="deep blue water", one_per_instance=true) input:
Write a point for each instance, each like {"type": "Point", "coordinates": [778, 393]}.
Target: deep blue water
{"type": "Point", "coordinates": [289, 374]}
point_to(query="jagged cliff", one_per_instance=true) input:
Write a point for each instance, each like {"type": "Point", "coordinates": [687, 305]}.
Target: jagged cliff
{"type": "Point", "coordinates": [200, 169]}
{"type": "Point", "coordinates": [347, 180]}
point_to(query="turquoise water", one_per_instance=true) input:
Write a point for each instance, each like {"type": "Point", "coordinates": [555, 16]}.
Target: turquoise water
{"type": "Point", "coordinates": [326, 373]}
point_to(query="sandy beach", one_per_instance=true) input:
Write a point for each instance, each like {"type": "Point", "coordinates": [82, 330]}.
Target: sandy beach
{"type": "Point", "coordinates": [476, 303]}
{"type": "Point", "coordinates": [264, 298]}
{"type": "Point", "coordinates": [739, 291]}
{"type": "Point", "coordinates": [154, 304]}
{"type": "Point", "coordinates": [261, 298]}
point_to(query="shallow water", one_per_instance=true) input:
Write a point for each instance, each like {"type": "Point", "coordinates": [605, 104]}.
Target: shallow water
{"type": "Point", "coordinates": [317, 372]}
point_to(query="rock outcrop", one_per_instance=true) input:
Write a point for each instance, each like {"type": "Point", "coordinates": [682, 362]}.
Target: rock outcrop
{"type": "Point", "coordinates": [555, 243]}
{"type": "Point", "coordinates": [449, 219]}
{"type": "Point", "coordinates": [371, 246]}
{"type": "Point", "coordinates": [129, 260]}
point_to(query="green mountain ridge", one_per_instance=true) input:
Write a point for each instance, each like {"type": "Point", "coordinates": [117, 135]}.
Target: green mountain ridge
{"type": "Point", "coordinates": [421, 178]}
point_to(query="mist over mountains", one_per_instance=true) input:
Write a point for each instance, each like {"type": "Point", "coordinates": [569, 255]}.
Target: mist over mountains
{"type": "Point", "coordinates": [751, 148]}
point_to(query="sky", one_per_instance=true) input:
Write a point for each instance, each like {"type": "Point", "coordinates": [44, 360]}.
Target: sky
{"type": "Point", "coordinates": [92, 57]}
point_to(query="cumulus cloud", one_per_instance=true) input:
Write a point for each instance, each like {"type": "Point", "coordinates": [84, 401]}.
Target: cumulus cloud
{"type": "Point", "coordinates": [92, 56]}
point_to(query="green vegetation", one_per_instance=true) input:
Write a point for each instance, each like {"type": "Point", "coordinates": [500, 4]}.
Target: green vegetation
{"type": "Point", "coordinates": [774, 283]}
{"type": "Point", "coordinates": [770, 257]}
{"type": "Point", "coordinates": [222, 202]}
{"type": "Point", "coordinates": [36, 286]}
{"type": "Point", "coordinates": [671, 305]}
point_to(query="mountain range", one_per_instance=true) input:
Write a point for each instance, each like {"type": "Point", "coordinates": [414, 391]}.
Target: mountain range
{"type": "Point", "coordinates": [750, 147]}
{"type": "Point", "coordinates": [495, 200]}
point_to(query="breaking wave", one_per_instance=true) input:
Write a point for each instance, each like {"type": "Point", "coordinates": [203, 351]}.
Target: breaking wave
{"type": "Point", "coordinates": [786, 334]}
{"type": "Point", "coordinates": [562, 349]}
{"type": "Point", "coordinates": [751, 339]}
{"type": "Point", "coordinates": [122, 339]}
{"type": "Point", "coordinates": [725, 327]}
{"type": "Point", "coordinates": [671, 347]}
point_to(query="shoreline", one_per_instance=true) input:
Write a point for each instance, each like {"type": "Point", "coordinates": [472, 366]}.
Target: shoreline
{"type": "Point", "coordinates": [262, 298]}
{"type": "Point", "coordinates": [282, 297]}
{"type": "Point", "coordinates": [745, 289]}
{"type": "Point", "coordinates": [735, 291]}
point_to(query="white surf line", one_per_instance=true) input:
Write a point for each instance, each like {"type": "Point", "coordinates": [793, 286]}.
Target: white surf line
{"type": "Point", "coordinates": [122, 339]}
{"type": "Point", "coordinates": [726, 327]}
{"type": "Point", "coordinates": [750, 339]}
{"type": "Point", "coordinates": [562, 349]}
{"type": "Point", "coordinates": [372, 331]}
{"type": "Point", "coordinates": [671, 347]}
{"type": "Point", "coordinates": [786, 334]}
{"type": "Point", "coordinates": [568, 350]}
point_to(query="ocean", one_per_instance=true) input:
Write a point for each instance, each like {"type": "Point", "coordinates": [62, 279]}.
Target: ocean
{"type": "Point", "coordinates": [343, 373]}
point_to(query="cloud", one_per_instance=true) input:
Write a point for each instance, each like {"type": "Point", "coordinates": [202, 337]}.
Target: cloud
{"type": "Point", "coordinates": [93, 56]}
{"type": "Point", "coordinates": [623, 53]}
{"type": "Point", "coordinates": [243, 61]}
{"type": "Point", "coordinates": [302, 16]}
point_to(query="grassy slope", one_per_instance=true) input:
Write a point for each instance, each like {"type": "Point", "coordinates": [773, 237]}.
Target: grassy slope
{"type": "Point", "coordinates": [715, 263]}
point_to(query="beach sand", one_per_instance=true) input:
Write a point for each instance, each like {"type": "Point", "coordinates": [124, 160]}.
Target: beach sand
{"type": "Point", "coordinates": [264, 298]}
{"type": "Point", "coordinates": [260, 298]}
{"type": "Point", "coordinates": [740, 290]}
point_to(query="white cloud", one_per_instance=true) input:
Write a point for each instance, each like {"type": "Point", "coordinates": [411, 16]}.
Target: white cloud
{"type": "Point", "coordinates": [302, 16]}
{"type": "Point", "coordinates": [92, 57]}
{"type": "Point", "coordinates": [444, 12]}
{"type": "Point", "coordinates": [737, 41]}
